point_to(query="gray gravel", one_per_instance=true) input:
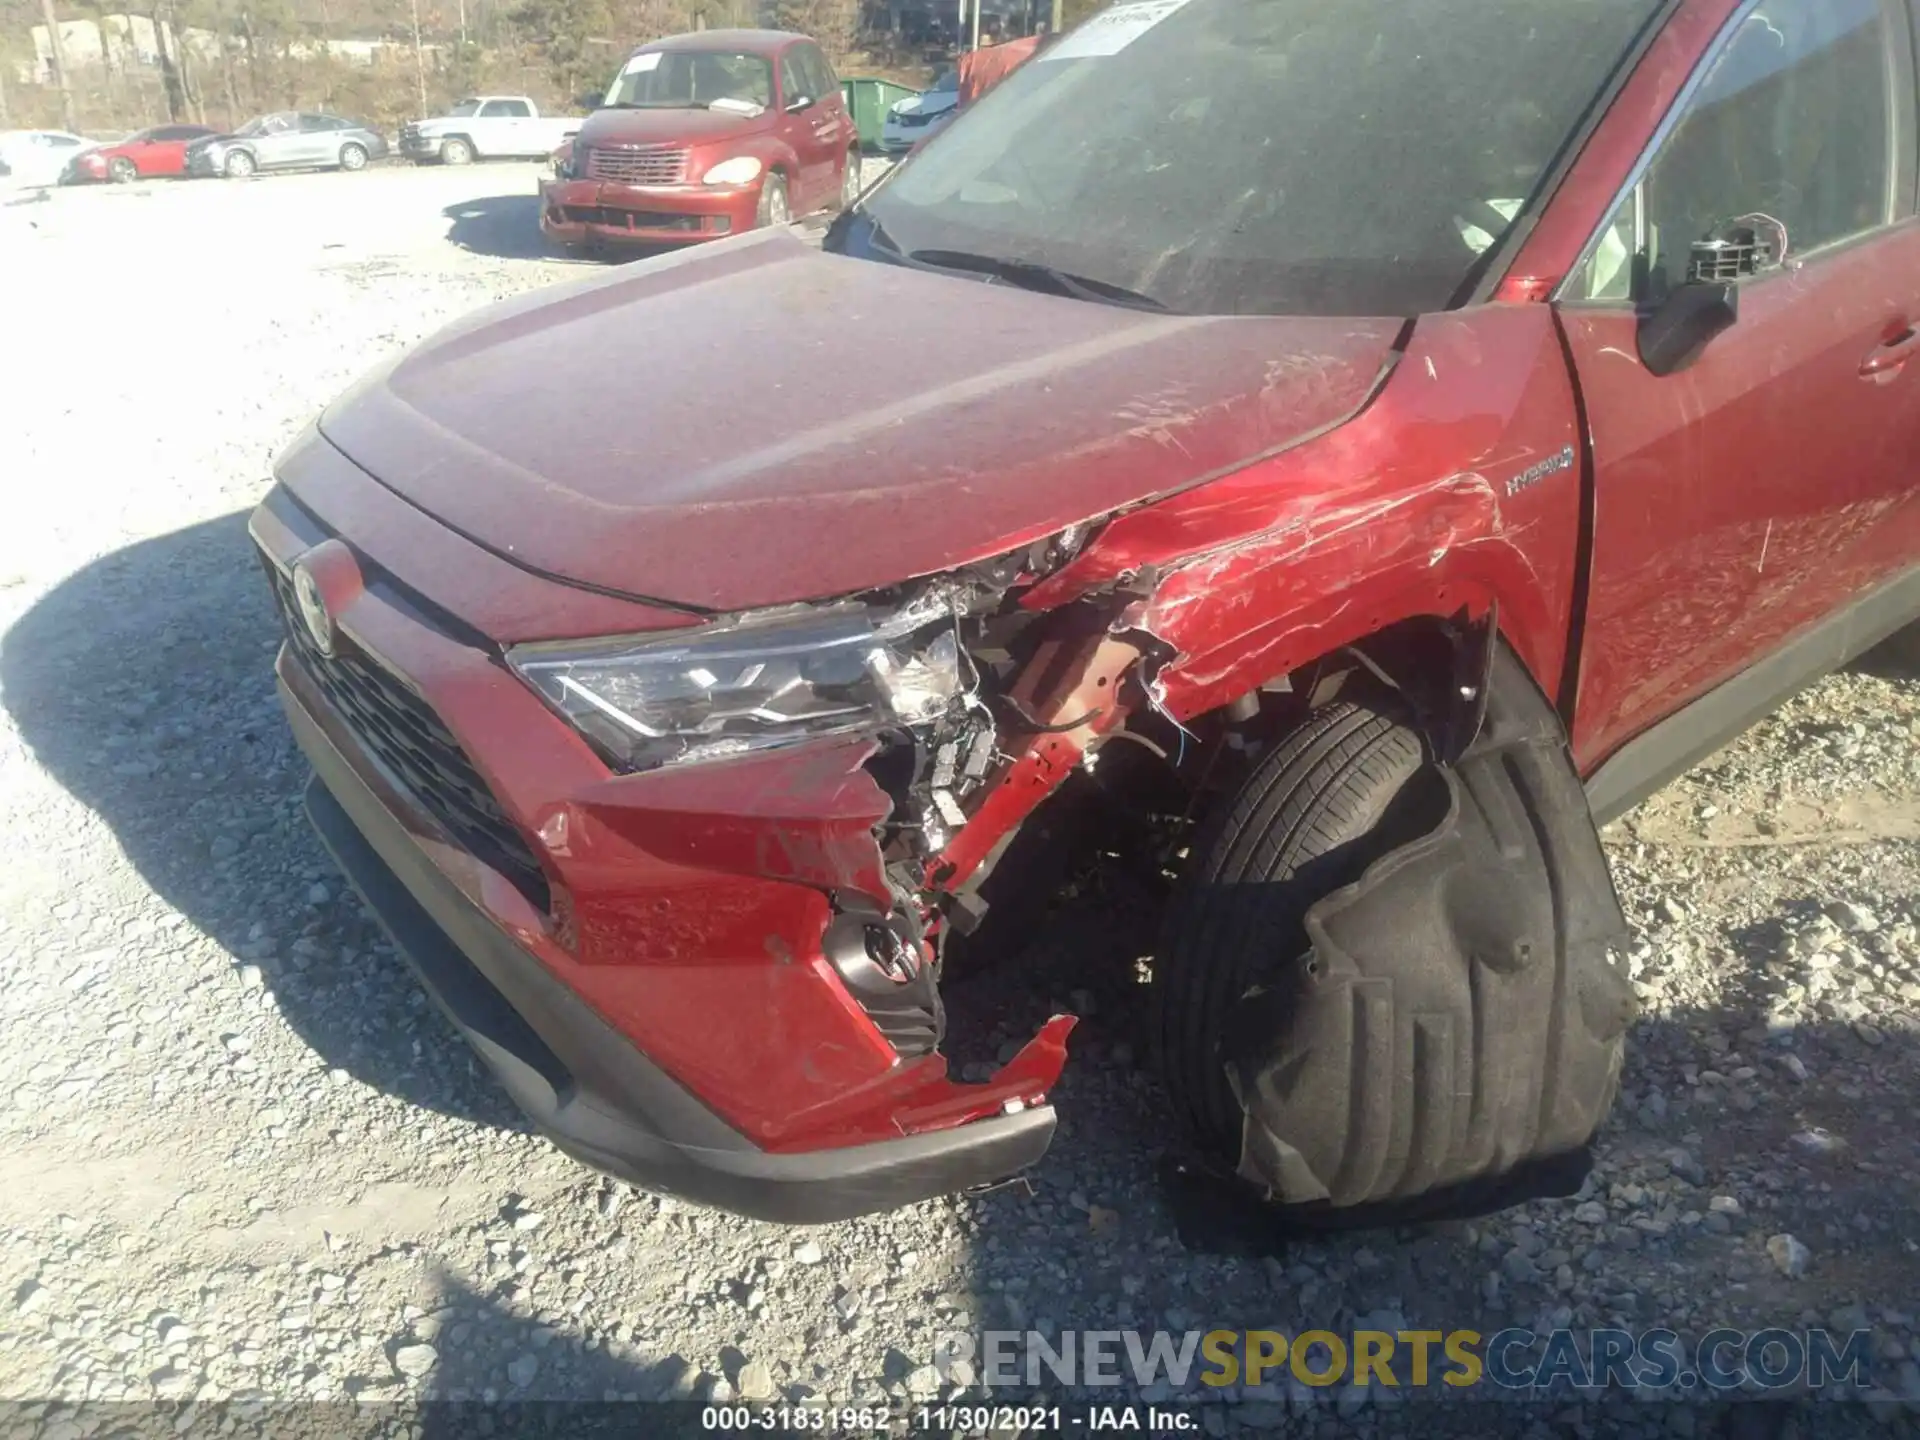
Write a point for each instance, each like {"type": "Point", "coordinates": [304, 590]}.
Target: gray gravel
{"type": "Point", "coordinates": [244, 1158]}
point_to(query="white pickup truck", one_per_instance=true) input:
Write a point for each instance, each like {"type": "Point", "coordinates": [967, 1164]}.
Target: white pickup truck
{"type": "Point", "coordinates": [487, 127]}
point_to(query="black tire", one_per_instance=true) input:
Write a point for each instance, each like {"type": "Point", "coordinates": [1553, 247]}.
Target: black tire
{"type": "Point", "coordinates": [773, 208]}
{"type": "Point", "coordinates": [239, 165]}
{"type": "Point", "coordinates": [122, 171]}
{"type": "Point", "coordinates": [456, 151]}
{"type": "Point", "coordinates": [353, 157]}
{"type": "Point", "coordinates": [1314, 813]}
{"type": "Point", "coordinates": [1439, 1033]}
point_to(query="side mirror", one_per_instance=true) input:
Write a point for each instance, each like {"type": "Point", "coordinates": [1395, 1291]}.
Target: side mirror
{"type": "Point", "coordinates": [799, 103]}
{"type": "Point", "coordinates": [1685, 323]}
{"type": "Point", "coordinates": [587, 102]}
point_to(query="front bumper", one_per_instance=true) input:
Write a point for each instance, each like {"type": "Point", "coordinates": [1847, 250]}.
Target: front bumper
{"type": "Point", "coordinates": [584, 212]}
{"type": "Point", "coordinates": [584, 1084]}
{"type": "Point", "coordinates": [898, 139]}
{"type": "Point", "coordinates": [658, 1000]}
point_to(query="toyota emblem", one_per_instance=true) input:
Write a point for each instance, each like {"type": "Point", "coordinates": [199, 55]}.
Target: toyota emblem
{"type": "Point", "coordinates": [313, 609]}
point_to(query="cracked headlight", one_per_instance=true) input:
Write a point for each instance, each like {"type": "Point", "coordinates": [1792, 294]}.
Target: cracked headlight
{"type": "Point", "coordinates": [647, 701]}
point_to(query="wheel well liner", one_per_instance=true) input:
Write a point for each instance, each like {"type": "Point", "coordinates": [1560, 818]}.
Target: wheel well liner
{"type": "Point", "coordinates": [1454, 1035]}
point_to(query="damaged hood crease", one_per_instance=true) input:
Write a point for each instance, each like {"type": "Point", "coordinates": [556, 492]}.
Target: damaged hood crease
{"type": "Point", "coordinates": [748, 426]}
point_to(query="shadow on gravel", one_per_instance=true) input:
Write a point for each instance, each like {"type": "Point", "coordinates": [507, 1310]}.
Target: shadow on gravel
{"type": "Point", "coordinates": [144, 685]}
{"type": "Point", "coordinates": [496, 1370]}
{"type": "Point", "coordinates": [506, 227]}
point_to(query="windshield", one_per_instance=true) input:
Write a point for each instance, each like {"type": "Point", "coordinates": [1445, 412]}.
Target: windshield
{"type": "Point", "coordinates": [465, 107]}
{"type": "Point", "coordinates": [693, 79]}
{"type": "Point", "coordinates": [1267, 156]}
{"type": "Point", "coordinates": [256, 126]}
{"type": "Point", "coordinates": [947, 84]}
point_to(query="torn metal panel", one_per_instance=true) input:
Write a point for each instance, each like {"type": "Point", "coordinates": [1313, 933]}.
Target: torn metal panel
{"type": "Point", "coordinates": [1071, 692]}
{"type": "Point", "coordinates": [1406, 510]}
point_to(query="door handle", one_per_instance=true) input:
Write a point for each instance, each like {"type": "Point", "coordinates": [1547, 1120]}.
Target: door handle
{"type": "Point", "coordinates": [1891, 355]}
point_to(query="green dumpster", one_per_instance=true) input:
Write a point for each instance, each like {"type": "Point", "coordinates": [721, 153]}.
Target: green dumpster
{"type": "Point", "coordinates": [869, 98]}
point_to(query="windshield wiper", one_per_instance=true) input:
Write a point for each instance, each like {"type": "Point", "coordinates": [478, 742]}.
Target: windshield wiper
{"type": "Point", "coordinates": [1032, 275]}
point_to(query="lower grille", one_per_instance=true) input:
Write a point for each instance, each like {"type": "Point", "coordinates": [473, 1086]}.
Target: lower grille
{"type": "Point", "coordinates": [641, 219]}
{"type": "Point", "coordinates": [637, 164]}
{"type": "Point", "coordinates": [417, 749]}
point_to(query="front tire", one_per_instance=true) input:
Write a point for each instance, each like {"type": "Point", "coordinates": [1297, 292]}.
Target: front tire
{"type": "Point", "coordinates": [239, 166]}
{"type": "Point", "coordinates": [1402, 975]}
{"type": "Point", "coordinates": [1314, 813]}
{"type": "Point", "coordinates": [773, 208]}
{"type": "Point", "coordinates": [353, 157]}
{"type": "Point", "coordinates": [456, 152]}
{"type": "Point", "coordinates": [122, 171]}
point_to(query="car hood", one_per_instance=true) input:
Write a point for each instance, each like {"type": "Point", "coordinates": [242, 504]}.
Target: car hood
{"type": "Point", "coordinates": [666, 127]}
{"type": "Point", "coordinates": [751, 423]}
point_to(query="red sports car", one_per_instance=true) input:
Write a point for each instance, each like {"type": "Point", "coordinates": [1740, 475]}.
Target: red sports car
{"type": "Point", "coordinates": [159, 151]}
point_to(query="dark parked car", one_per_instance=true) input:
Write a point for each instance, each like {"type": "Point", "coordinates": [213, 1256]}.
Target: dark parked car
{"type": "Point", "coordinates": [1368, 446]}
{"type": "Point", "coordinates": [161, 150]}
{"type": "Point", "coordinates": [288, 140]}
{"type": "Point", "coordinates": [706, 135]}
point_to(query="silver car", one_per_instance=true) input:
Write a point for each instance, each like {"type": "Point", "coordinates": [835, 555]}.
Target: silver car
{"type": "Point", "coordinates": [287, 140]}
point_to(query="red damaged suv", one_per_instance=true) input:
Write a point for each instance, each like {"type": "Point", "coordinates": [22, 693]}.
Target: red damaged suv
{"type": "Point", "coordinates": [1374, 442]}
{"type": "Point", "coordinates": [706, 135]}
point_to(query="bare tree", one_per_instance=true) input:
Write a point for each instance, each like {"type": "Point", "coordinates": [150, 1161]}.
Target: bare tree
{"type": "Point", "coordinates": [224, 36]}
{"type": "Point", "coordinates": [172, 70]}
{"type": "Point", "coordinates": [57, 56]}
{"type": "Point", "coordinates": [419, 64]}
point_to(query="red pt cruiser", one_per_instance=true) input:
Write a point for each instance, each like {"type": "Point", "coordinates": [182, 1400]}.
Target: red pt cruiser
{"type": "Point", "coordinates": [706, 135]}
{"type": "Point", "coordinates": [1371, 444]}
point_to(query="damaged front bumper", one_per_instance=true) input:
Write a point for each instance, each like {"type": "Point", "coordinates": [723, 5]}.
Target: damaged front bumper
{"type": "Point", "coordinates": [666, 995]}
{"type": "Point", "coordinates": [583, 1083]}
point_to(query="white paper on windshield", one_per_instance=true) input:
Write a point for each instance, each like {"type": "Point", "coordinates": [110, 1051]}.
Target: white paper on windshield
{"type": "Point", "coordinates": [640, 64]}
{"type": "Point", "coordinates": [1111, 30]}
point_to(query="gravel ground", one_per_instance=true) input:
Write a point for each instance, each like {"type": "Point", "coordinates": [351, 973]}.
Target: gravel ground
{"type": "Point", "coordinates": [244, 1158]}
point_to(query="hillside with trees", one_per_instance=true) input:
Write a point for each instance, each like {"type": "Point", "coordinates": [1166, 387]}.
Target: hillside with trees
{"type": "Point", "coordinates": [220, 61]}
